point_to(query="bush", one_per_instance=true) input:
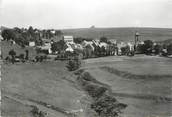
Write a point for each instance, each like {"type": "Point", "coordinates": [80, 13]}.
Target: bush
{"type": "Point", "coordinates": [108, 106]}
{"type": "Point", "coordinates": [95, 91]}
{"type": "Point", "coordinates": [35, 111]}
{"type": "Point", "coordinates": [86, 76]}
{"type": "Point", "coordinates": [74, 64]}
{"type": "Point", "coordinates": [148, 46]}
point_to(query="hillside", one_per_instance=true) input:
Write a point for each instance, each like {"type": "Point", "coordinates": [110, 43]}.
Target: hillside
{"type": "Point", "coordinates": [121, 34]}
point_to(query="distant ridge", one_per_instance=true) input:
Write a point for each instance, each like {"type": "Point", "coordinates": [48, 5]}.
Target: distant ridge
{"type": "Point", "coordinates": [122, 33]}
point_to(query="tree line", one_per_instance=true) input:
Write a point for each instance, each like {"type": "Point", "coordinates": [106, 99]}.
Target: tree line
{"type": "Point", "coordinates": [151, 48]}
{"type": "Point", "coordinates": [22, 36]}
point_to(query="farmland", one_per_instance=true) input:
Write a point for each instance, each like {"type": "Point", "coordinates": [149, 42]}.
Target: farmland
{"type": "Point", "coordinates": [141, 82]}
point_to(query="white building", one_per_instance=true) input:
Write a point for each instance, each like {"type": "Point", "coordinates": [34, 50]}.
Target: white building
{"type": "Point", "coordinates": [32, 44]}
{"type": "Point", "coordinates": [1, 38]}
{"type": "Point", "coordinates": [68, 39]}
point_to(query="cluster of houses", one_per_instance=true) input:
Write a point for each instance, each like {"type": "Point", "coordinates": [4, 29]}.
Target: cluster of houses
{"type": "Point", "coordinates": [89, 48]}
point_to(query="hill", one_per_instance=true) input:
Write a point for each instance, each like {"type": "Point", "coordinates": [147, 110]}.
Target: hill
{"type": "Point", "coordinates": [122, 34]}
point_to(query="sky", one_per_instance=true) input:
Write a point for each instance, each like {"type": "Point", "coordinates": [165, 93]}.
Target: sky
{"type": "Point", "coordinates": [61, 14]}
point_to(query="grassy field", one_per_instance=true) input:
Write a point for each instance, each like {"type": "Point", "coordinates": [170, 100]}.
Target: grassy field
{"type": "Point", "coordinates": [142, 82]}
{"type": "Point", "coordinates": [47, 83]}
{"type": "Point", "coordinates": [122, 34]}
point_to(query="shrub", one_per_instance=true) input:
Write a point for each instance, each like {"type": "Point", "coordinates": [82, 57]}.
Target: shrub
{"type": "Point", "coordinates": [108, 106]}
{"type": "Point", "coordinates": [35, 111]}
{"type": "Point", "coordinates": [95, 91]}
{"type": "Point", "coordinates": [74, 64]}
{"type": "Point", "coordinates": [86, 76]}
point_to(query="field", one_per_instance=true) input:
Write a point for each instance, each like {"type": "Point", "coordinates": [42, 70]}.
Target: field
{"type": "Point", "coordinates": [122, 34]}
{"type": "Point", "coordinates": [142, 82]}
{"type": "Point", "coordinates": [43, 85]}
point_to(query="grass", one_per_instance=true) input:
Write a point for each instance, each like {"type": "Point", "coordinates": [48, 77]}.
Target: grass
{"type": "Point", "coordinates": [42, 82]}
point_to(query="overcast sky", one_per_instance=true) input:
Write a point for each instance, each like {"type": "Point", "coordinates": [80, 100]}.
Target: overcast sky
{"type": "Point", "coordinates": [60, 14]}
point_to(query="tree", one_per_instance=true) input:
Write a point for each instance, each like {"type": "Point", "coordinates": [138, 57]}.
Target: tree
{"type": "Point", "coordinates": [12, 53]}
{"type": "Point", "coordinates": [58, 33]}
{"type": "Point", "coordinates": [140, 49]}
{"type": "Point", "coordinates": [157, 49]}
{"type": "Point", "coordinates": [103, 39]}
{"type": "Point", "coordinates": [58, 46]}
{"type": "Point", "coordinates": [8, 34]}
{"type": "Point", "coordinates": [103, 51]}
{"type": "Point", "coordinates": [169, 49]}
{"type": "Point", "coordinates": [147, 47]}
{"type": "Point", "coordinates": [27, 54]}
{"type": "Point", "coordinates": [18, 30]}
{"type": "Point", "coordinates": [31, 31]}
{"type": "Point", "coordinates": [125, 50]}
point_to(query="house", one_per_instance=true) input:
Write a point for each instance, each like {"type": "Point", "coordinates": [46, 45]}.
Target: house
{"type": "Point", "coordinates": [46, 42]}
{"type": "Point", "coordinates": [96, 42]}
{"type": "Point", "coordinates": [113, 41]}
{"type": "Point", "coordinates": [69, 49]}
{"type": "Point", "coordinates": [85, 44]}
{"type": "Point", "coordinates": [31, 43]}
{"type": "Point", "coordinates": [46, 49]}
{"type": "Point", "coordinates": [103, 44]}
{"type": "Point", "coordinates": [131, 46]}
{"type": "Point", "coordinates": [68, 39]}
{"type": "Point", "coordinates": [119, 46]}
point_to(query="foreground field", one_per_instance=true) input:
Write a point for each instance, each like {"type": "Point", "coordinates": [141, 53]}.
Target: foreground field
{"type": "Point", "coordinates": [43, 85]}
{"type": "Point", "coordinates": [142, 82]}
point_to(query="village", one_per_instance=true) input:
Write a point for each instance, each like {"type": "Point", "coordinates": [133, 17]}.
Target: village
{"type": "Point", "coordinates": [57, 46]}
